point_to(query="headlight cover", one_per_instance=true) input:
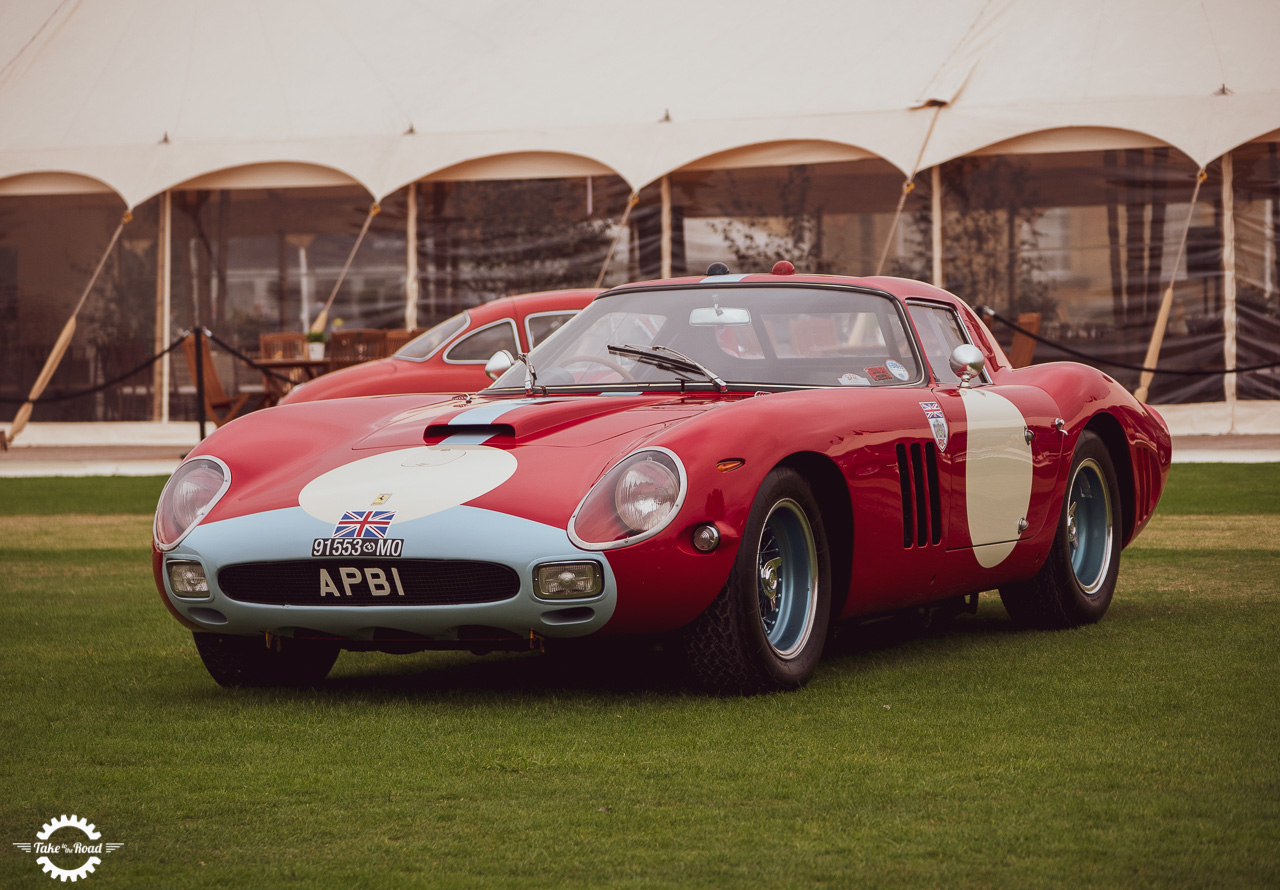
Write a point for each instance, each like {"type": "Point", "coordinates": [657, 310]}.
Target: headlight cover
{"type": "Point", "coordinates": [633, 502]}
{"type": "Point", "coordinates": [188, 497]}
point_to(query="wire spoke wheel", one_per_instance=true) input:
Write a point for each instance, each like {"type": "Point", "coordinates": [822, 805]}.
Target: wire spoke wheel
{"type": "Point", "coordinates": [787, 561]}
{"type": "Point", "coordinates": [1090, 526]}
{"type": "Point", "coordinates": [1075, 584]}
{"type": "Point", "coordinates": [766, 630]}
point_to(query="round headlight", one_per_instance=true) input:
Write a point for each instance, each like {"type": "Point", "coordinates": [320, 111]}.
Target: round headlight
{"type": "Point", "coordinates": [187, 498]}
{"type": "Point", "coordinates": [645, 493]}
{"type": "Point", "coordinates": [634, 501]}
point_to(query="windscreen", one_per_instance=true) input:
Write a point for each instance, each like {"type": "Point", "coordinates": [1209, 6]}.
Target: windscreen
{"type": "Point", "coordinates": [422, 346]}
{"type": "Point", "coordinates": [750, 336]}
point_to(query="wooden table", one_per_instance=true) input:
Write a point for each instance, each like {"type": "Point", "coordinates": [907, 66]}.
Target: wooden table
{"type": "Point", "coordinates": [311, 367]}
{"type": "Point", "coordinates": [299, 370]}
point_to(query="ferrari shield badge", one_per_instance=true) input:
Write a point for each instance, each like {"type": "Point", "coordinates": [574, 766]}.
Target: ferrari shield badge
{"type": "Point", "coordinates": [937, 423]}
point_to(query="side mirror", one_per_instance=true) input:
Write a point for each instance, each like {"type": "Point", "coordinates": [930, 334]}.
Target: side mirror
{"type": "Point", "coordinates": [498, 364]}
{"type": "Point", "coordinates": [967, 362]}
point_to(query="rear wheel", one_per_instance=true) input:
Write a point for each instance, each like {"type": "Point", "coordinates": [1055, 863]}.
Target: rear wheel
{"type": "Point", "coordinates": [1078, 579]}
{"type": "Point", "coordinates": [766, 630]}
{"type": "Point", "coordinates": [257, 661]}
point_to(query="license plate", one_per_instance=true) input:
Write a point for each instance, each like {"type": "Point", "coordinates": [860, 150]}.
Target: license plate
{"type": "Point", "coordinates": [360, 582]}
{"type": "Point", "coordinates": [357, 546]}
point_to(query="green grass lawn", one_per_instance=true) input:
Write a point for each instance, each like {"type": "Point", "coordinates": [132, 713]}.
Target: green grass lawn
{"type": "Point", "coordinates": [1141, 752]}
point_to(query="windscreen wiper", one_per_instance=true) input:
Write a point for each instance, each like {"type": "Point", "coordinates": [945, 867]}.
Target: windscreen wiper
{"type": "Point", "coordinates": [669, 360]}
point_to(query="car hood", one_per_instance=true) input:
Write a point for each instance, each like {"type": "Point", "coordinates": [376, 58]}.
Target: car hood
{"type": "Point", "coordinates": [274, 454]}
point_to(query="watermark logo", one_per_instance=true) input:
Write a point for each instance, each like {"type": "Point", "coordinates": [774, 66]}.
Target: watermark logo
{"type": "Point", "coordinates": [68, 847]}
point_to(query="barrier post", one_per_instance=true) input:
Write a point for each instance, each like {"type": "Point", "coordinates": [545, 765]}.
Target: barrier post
{"type": "Point", "coordinates": [198, 333]}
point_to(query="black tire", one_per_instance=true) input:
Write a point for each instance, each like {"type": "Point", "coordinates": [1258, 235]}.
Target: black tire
{"type": "Point", "coordinates": [766, 630]}
{"type": "Point", "coordinates": [248, 661]}
{"type": "Point", "coordinates": [1078, 578]}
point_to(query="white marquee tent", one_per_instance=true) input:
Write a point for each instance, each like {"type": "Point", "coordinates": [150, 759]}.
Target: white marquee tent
{"type": "Point", "coordinates": [139, 96]}
{"type": "Point", "coordinates": [142, 98]}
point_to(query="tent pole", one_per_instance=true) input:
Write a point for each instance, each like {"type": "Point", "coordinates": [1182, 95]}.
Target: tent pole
{"type": "Point", "coordinates": [1229, 318]}
{"type": "Point", "coordinates": [1162, 317]}
{"type": "Point", "coordinates": [60, 345]}
{"type": "Point", "coordinates": [909, 186]}
{"type": "Point", "coordinates": [322, 320]}
{"type": "Point", "coordinates": [622, 227]}
{"type": "Point", "coordinates": [935, 214]}
{"type": "Point", "coordinates": [411, 261]}
{"type": "Point", "coordinates": [666, 227]}
{"type": "Point", "coordinates": [164, 310]}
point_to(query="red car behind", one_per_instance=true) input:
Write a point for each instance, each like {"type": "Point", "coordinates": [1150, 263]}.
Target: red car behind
{"type": "Point", "coordinates": [451, 356]}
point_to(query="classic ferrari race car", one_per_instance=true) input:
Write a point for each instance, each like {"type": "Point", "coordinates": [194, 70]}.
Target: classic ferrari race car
{"type": "Point", "coordinates": [732, 461]}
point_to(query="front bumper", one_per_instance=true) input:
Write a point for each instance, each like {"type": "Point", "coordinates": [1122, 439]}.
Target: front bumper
{"type": "Point", "coordinates": [458, 533]}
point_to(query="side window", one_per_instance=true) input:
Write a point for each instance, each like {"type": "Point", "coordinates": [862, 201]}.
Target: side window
{"type": "Point", "coordinates": [940, 333]}
{"type": "Point", "coordinates": [540, 327]}
{"type": "Point", "coordinates": [479, 347]}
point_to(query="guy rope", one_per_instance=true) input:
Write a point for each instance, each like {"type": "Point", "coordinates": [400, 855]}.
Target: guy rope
{"type": "Point", "coordinates": [60, 345]}
{"type": "Point", "coordinates": [322, 320]}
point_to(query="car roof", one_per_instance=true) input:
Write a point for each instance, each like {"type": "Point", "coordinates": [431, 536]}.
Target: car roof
{"type": "Point", "coordinates": [901, 288]}
{"type": "Point", "coordinates": [519, 305]}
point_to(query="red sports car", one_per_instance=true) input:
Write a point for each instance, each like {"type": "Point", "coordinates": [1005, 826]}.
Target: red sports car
{"type": "Point", "coordinates": [731, 461]}
{"type": "Point", "coordinates": [450, 357]}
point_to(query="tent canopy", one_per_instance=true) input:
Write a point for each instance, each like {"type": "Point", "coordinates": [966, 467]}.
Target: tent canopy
{"type": "Point", "coordinates": [139, 96]}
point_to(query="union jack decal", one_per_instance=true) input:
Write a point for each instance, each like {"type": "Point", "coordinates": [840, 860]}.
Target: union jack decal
{"type": "Point", "coordinates": [932, 409]}
{"type": "Point", "coordinates": [364, 524]}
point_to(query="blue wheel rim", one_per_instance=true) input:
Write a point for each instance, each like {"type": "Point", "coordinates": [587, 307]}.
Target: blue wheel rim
{"type": "Point", "coordinates": [1090, 535]}
{"type": "Point", "coordinates": [787, 579]}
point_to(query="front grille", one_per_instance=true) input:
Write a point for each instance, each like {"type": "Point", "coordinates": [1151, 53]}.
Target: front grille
{"type": "Point", "coordinates": [369, 582]}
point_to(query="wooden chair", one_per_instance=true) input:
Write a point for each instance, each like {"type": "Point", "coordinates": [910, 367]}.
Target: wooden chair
{"type": "Point", "coordinates": [397, 339]}
{"type": "Point", "coordinates": [1023, 348]}
{"type": "Point", "coordinates": [288, 344]}
{"type": "Point", "coordinates": [351, 347]}
{"type": "Point", "coordinates": [218, 406]}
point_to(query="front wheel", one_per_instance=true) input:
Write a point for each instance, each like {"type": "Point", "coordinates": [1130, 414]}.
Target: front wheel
{"type": "Point", "coordinates": [257, 661]}
{"type": "Point", "coordinates": [1078, 579]}
{"type": "Point", "coordinates": [766, 630]}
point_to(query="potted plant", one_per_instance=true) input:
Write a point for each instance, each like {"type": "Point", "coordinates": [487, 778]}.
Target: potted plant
{"type": "Point", "coordinates": [315, 345]}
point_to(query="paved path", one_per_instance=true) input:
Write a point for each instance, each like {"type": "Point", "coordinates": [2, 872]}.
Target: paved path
{"type": "Point", "coordinates": [160, 460]}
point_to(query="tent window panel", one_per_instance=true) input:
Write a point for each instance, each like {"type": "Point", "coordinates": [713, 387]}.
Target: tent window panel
{"type": "Point", "coordinates": [1256, 188]}
{"type": "Point", "coordinates": [1089, 241]}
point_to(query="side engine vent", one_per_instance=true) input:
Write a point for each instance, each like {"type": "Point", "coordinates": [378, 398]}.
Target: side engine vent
{"type": "Point", "coordinates": [921, 498]}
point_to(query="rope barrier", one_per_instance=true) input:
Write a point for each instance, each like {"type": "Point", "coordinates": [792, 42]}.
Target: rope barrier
{"type": "Point", "coordinates": [984, 311]}
{"type": "Point", "coordinates": [244, 358]}
{"type": "Point", "coordinates": [988, 312]}
{"type": "Point", "coordinates": [80, 393]}
{"type": "Point", "coordinates": [67, 396]}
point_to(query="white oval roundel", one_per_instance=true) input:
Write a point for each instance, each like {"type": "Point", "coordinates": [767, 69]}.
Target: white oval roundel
{"type": "Point", "coordinates": [411, 482]}
{"type": "Point", "coordinates": [998, 468]}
